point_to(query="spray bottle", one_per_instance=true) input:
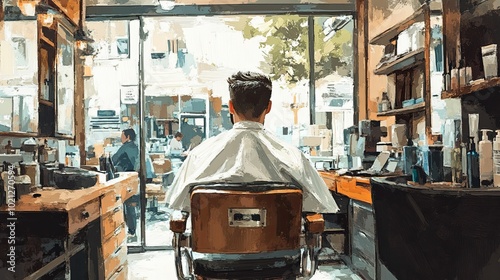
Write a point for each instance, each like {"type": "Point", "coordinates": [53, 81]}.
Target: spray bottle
{"type": "Point", "coordinates": [486, 160]}
{"type": "Point", "coordinates": [496, 160]}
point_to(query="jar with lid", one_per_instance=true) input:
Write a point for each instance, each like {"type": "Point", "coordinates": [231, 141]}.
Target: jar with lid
{"type": "Point", "coordinates": [386, 103]}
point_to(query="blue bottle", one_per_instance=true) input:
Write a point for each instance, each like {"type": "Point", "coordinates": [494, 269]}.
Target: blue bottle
{"type": "Point", "coordinates": [473, 166]}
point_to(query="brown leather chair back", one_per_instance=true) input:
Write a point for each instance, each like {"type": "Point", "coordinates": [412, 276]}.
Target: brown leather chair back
{"type": "Point", "coordinates": [238, 221]}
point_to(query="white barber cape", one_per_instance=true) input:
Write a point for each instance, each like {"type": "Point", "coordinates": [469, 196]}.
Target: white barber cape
{"type": "Point", "coordinates": [248, 153]}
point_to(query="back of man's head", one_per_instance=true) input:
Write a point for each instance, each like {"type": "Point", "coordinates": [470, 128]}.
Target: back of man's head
{"type": "Point", "coordinates": [130, 133]}
{"type": "Point", "coordinates": [250, 93]}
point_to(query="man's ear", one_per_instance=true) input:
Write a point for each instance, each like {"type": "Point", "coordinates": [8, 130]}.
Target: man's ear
{"type": "Point", "coordinates": [269, 105]}
{"type": "Point", "coordinates": [231, 107]}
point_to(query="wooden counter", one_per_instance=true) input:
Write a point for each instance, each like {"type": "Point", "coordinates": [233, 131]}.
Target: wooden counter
{"type": "Point", "coordinates": [354, 187]}
{"type": "Point", "coordinates": [65, 200]}
{"type": "Point", "coordinates": [71, 234]}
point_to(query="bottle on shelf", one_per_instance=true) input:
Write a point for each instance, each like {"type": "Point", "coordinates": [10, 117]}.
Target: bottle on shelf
{"type": "Point", "coordinates": [496, 160]}
{"type": "Point", "coordinates": [8, 147]}
{"type": "Point", "coordinates": [472, 166]}
{"type": "Point", "coordinates": [456, 166]}
{"type": "Point", "coordinates": [386, 103]}
{"type": "Point", "coordinates": [486, 160]}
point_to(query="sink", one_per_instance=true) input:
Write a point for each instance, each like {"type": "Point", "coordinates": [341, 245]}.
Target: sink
{"type": "Point", "coordinates": [73, 178]}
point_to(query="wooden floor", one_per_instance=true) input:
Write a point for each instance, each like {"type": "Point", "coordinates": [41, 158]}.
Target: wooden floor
{"type": "Point", "coordinates": [160, 265]}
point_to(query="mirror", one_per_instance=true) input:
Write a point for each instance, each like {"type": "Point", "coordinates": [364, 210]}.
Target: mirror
{"type": "Point", "coordinates": [18, 72]}
{"type": "Point", "coordinates": [65, 69]}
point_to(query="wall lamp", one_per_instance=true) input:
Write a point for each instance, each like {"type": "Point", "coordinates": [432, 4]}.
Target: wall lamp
{"type": "Point", "coordinates": [28, 7]}
{"type": "Point", "coordinates": [83, 42]}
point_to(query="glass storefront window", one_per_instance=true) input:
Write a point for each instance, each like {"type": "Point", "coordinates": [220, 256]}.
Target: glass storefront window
{"type": "Point", "coordinates": [186, 63]}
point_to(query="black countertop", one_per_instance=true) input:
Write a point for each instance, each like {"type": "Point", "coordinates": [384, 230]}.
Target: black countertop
{"type": "Point", "coordinates": [437, 231]}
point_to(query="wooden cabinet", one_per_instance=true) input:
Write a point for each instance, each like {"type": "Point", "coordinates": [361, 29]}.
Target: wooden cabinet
{"type": "Point", "coordinates": [113, 253]}
{"type": "Point", "coordinates": [70, 234]}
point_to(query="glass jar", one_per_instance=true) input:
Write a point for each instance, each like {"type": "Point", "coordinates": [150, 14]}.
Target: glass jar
{"type": "Point", "coordinates": [386, 103]}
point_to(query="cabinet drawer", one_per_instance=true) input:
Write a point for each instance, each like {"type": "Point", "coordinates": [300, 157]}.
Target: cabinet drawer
{"type": "Point", "coordinates": [111, 221]}
{"type": "Point", "coordinates": [362, 217]}
{"type": "Point", "coordinates": [110, 245]}
{"type": "Point", "coordinates": [121, 273]}
{"type": "Point", "coordinates": [110, 200]}
{"type": "Point", "coordinates": [129, 190]}
{"type": "Point", "coordinates": [363, 245]}
{"type": "Point", "coordinates": [80, 216]}
{"type": "Point", "coordinates": [115, 260]}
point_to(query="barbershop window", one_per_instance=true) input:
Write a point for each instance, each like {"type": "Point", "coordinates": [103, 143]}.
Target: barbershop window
{"type": "Point", "coordinates": [186, 63]}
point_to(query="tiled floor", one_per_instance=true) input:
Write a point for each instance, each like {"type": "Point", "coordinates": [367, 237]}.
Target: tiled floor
{"type": "Point", "coordinates": [160, 265]}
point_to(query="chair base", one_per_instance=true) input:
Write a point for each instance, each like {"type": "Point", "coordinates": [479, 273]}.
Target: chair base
{"type": "Point", "coordinates": [275, 268]}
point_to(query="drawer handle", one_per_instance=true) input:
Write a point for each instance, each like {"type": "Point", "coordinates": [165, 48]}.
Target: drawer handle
{"type": "Point", "coordinates": [116, 209]}
{"type": "Point", "coordinates": [362, 234]}
{"type": "Point", "coordinates": [129, 189]}
{"type": "Point", "coordinates": [118, 197]}
{"type": "Point", "coordinates": [85, 214]}
{"type": "Point", "coordinates": [117, 251]}
{"type": "Point", "coordinates": [117, 231]}
{"type": "Point", "coordinates": [120, 269]}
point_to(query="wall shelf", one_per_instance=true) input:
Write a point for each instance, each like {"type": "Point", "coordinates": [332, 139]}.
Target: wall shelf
{"type": "Point", "coordinates": [405, 61]}
{"type": "Point", "coordinates": [486, 84]}
{"type": "Point", "coordinates": [420, 107]}
{"type": "Point", "coordinates": [386, 36]}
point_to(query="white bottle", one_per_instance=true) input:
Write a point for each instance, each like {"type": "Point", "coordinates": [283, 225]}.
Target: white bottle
{"type": "Point", "coordinates": [486, 160]}
{"type": "Point", "coordinates": [496, 160]}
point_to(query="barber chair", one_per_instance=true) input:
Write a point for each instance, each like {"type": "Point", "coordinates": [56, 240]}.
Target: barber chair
{"type": "Point", "coordinates": [247, 231]}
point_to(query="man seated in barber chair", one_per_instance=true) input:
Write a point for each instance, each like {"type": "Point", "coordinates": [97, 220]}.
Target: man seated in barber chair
{"type": "Point", "coordinates": [248, 194]}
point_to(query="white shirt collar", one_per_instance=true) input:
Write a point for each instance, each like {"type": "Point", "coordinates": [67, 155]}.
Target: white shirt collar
{"type": "Point", "coordinates": [248, 125]}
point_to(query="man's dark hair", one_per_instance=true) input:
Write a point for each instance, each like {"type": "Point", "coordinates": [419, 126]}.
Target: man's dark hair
{"type": "Point", "coordinates": [129, 133]}
{"type": "Point", "coordinates": [250, 93]}
{"type": "Point", "coordinates": [178, 134]}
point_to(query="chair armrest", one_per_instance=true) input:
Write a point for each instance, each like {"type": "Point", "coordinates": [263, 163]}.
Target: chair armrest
{"type": "Point", "coordinates": [179, 225]}
{"type": "Point", "coordinates": [314, 223]}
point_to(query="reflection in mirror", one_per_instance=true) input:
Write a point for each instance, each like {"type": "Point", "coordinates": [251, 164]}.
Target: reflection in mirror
{"type": "Point", "coordinates": [65, 81]}
{"type": "Point", "coordinates": [5, 118]}
{"type": "Point", "coordinates": [18, 110]}
{"type": "Point", "coordinates": [18, 76]}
